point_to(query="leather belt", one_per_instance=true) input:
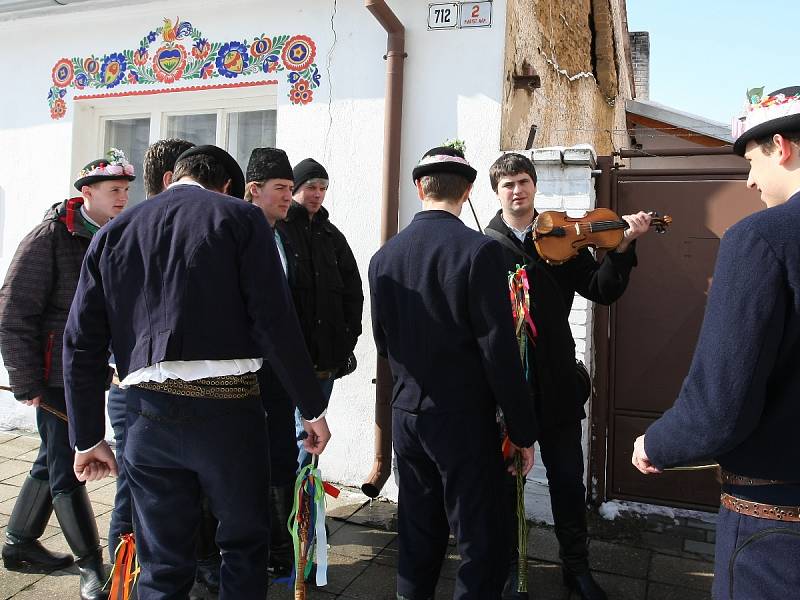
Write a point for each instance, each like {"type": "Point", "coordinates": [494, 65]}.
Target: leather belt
{"type": "Point", "coordinates": [226, 387]}
{"type": "Point", "coordinates": [772, 512]}
{"type": "Point", "coordinates": [728, 478]}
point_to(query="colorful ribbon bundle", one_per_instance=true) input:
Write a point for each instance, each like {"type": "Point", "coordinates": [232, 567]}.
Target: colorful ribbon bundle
{"type": "Point", "coordinates": [307, 526]}
{"type": "Point", "coordinates": [125, 571]}
{"type": "Point", "coordinates": [525, 328]}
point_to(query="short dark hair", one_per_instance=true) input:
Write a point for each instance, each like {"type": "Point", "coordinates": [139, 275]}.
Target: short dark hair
{"type": "Point", "coordinates": [158, 159]}
{"type": "Point", "coordinates": [768, 146]}
{"type": "Point", "coordinates": [445, 187]}
{"type": "Point", "coordinates": [204, 169]}
{"type": "Point", "coordinates": [510, 164]}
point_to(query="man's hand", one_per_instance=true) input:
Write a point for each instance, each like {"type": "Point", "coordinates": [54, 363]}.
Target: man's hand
{"type": "Point", "coordinates": [638, 225]}
{"type": "Point", "coordinates": [33, 401]}
{"type": "Point", "coordinates": [639, 458]}
{"type": "Point", "coordinates": [318, 436]}
{"type": "Point", "coordinates": [526, 454]}
{"type": "Point", "coordinates": [95, 464]}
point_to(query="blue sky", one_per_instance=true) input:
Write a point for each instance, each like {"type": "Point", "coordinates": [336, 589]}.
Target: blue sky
{"type": "Point", "coordinates": [705, 54]}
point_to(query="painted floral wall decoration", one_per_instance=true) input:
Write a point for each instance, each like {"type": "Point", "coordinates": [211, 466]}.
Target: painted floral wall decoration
{"type": "Point", "coordinates": [179, 52]}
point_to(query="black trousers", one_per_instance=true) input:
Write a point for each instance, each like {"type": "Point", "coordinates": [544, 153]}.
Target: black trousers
{"type": "Point", "coordinates": [562, 456]}
{"type": "Point", "coordinates": [177, 450]}
{"type": "Point", "coordinates": [280, 425]}
{"type": "Point", "coordinates": [54, 462]}
{"type": "Point", "coordinates": [755, 558]}
{"type": "Point", "coordinates": [450, 468]}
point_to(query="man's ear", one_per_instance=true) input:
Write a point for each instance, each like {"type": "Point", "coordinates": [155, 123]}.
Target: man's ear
{"type": "Point", "coordinates": [420, 193]}
{"type": "Point", "coordinates": [467, 192]}
{"type": "Point", "coordinates": [166, 180]}
{"type": "Point", "coordinates": [786, 149]}
{"type": "Point", "coordinates": [226, 188]}
{"type": "Point", "coordinates": [86, 192]}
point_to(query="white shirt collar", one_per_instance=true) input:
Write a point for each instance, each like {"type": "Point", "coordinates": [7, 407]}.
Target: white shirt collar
{"type": "Point", "coordinates": [185, 182]}
{"type": "Point", "coordinates": [86, 216]}
{"type": "Point", "coordinates": [520, 233]}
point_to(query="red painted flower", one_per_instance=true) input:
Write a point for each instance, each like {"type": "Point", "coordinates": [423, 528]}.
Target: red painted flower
{"type": "Point", "coordinates": [133, 77]}
{"type": "Point", "coordinates": [140, 57]}
{"type": "Point", "coordinates": [63, 72]}
{"type": "Point", "coordinates": [58, 109]}
{"type": "Point", "coordinates": [207, 71]}
{"type": "Point", "coordinates": [201, 49]}
{"type": "Point", "coordinates": [301, 93]}
{"type": "Point", "coordinates": [91, 65]}
{"type": "Point", "coordinates": [260, 46]}
{"type": "Point", "coordinates": [298, 53]}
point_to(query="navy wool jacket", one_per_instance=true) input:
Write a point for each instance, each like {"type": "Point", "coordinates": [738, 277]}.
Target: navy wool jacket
{"type": "Point", "coordinates": [441, 314]}
{"type": "Point", "coordinates": [740, 403]}
{"type": "Point", "coordinates": [187, 275]}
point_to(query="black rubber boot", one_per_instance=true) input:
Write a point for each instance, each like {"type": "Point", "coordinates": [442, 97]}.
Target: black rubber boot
{"type": "Point", "coordinates": [32, 510]}
{"type": "Point", "coordinates": [510, 589]}
{"type": "Point", "coordinates": [76, 517]}
{"type": "Point", "coordinates": [584, 585]}
{"type": "Point", "coordinates": [281, 548]}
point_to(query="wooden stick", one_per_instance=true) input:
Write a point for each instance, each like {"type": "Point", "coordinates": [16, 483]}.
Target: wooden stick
{"type": "Point", "coordinates": [43, 406]}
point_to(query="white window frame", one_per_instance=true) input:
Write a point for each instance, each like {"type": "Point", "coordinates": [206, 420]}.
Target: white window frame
{"type": "Point", "coordinates": [91, 114]}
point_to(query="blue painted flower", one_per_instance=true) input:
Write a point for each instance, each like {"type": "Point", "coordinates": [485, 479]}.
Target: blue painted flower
{"type": "Point", "coordinates": [200, 43]}
{"type": "Point", "coordinates": [151, 37]}
{"type": "Point", "coordinates": [50, 94]}
{"type": "Point", "coordinates": [294, 77]}
{"type": "Point", "coordinates": [113, 69]}
{"type": "Point", "coordinates": [62, 92]}
{"type": "Point", "coordinates": [81, 80]}
{"type": "Point", "coordinates": [315, 77]}
{"type": "Point", "coordinates": [232, 59]}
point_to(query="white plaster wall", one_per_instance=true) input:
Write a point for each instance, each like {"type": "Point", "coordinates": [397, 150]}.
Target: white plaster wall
{"type": "Point", "coordinates": [453, 90]}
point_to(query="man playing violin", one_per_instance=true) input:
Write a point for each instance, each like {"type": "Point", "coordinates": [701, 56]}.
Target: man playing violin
{"type": "Point", "coordinates": [739, 403]}
{"type": "Point", "coordinates": [555, 388]}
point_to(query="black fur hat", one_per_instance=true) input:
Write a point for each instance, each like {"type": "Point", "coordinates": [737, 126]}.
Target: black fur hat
{"type": "Point", "coordinates": [268, 163]}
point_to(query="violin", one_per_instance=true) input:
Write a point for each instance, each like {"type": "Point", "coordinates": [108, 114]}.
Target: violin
{"type": "Point", "coordinates": [559, 238]}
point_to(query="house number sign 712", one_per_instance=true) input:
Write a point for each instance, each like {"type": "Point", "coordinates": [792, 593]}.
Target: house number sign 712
{"type": "Point", "coordinates": [443, 15]}
{"type": "Point", "coordinates": [451, 15]}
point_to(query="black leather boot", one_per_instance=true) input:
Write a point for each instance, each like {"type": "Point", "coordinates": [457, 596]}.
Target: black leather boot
{"type": "Point", "coordinates": [584, 585]}
{"type": "Point", "coordinates": [511, 587]}
{"type": "Point", "coordinates": [281, 548]}
{"type": "Point", "coordinates": [76, 517]}
{"type": "Point", "coordinates": [209, 560]}
{"type": "Point", "coordinates": [32, 510]}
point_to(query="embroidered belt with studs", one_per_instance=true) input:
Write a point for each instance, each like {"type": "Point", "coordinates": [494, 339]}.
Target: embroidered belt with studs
{"type": "Point", "coordinates": [772, 512]}
{"type": "Point", "coordinates": [226, 387]}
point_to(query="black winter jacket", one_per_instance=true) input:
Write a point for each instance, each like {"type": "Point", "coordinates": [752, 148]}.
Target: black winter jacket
{"type": "Point", "coordinates": [36, 296]}
{"type": "Point", "coordinates": [326, 286]}
{"type": "Point", "coordinates": [553, 290]}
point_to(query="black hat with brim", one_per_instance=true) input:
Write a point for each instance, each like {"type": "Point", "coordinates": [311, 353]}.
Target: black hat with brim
{"type": "Point", "coordinates": [99, 165]}
{"type": "Point", "coordinates": [786, 123]}
{"type": "Point", "coordinates": [444, 159]}
{"type": "Point", "coordinates": [268, 163]}
{"type": "Point", "coordinates": [229, 163]}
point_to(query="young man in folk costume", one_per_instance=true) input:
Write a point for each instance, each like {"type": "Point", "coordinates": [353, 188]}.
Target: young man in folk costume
{"type": "Point", "coordinates": [269, 184]}
{"type": "Point", "coordinates": [555, 390]}
{"type": "Point", "coordinates": [441, 316]}
{"type": "Point", "coordinates": [195, 418]}
{"type": "Point", "coordinates": [325, 283]}
{"type": "Point", "coordinates": [739, 403]}
{"type": "Point", "coordinates": [34, 303]}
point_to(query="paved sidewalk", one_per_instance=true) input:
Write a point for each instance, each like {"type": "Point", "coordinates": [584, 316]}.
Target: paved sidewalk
{"type": "Point", "coordinates": [633, 558]}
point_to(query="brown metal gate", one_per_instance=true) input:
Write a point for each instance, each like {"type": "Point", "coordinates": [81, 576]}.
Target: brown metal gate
{"type": "Point", "coordinates": [644, 344]}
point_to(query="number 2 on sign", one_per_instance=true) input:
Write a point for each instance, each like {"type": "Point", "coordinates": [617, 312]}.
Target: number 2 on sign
{"type": "Point", "coordinates": [442, 15]}
{"type": "Point", "coordinates": [476, 11]}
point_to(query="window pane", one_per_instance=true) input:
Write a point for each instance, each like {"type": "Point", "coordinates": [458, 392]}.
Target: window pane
{"type": "Point", "coordinates": [248, 130]}
{"type": "Point", "coordinates": [132, 137]}
{"type": "Point", "coordinates": [199, 129]}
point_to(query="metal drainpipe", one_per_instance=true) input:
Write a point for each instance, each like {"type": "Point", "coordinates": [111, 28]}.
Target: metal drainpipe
{"type": "Point", "coordinates": [390, 204]}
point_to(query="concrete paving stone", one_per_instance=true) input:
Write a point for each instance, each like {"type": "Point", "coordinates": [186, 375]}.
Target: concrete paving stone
{"type": "Point", "coordinates": [348, 502]}
{"type": "Point", "coordinates": [8, 491]}
{"type": "Point", "coordinates": [377, 513]}
{"type": "Point", "coordinates": [343, 570]}
{"type": "Point", "coordinates": [377, 582]}
{"type": "Point", "coordinates": [711, 536]}
{"type": "Point", "coordinates": [29, 456]}
{"type": "Point", "coordinates": [450, 564]}
{"type": "Point", "coordinates": [619, 587]}
{"type": "Point", "coordinates": [618, 559]}
{"type": "Point", "coordinates": [685, 572]}
{"type": "Point", "coordinates": [16, 480]}
{"type": "Point", "coordinates": [389, 555]}
{"type": "Point", "coordinates": [696, 547]}
{"type": "Point", "coordinates": [542, 544]}
{"type": "Point", "coordinates": [7, 436]}
{"type": "Point", "coordinates": [710, 525]}
{"type": "Point", "coordinates": [659, 541]}
{"type": "Point", "coordinates": [661, 591]}
{"type": "Point", "coordinates": [358, 542]}
{"type": "Point", "coordinates": [105, 494]}
{"type": "Point", "coordinates": [544, 581]}
{"type": "Point", "coordinates": [56, 586]}
{"type": "Point", "coordinates": [26, 442]}
{"type": "Point", "coordinates": [445, 589]}
{"type": "Point", "coordinates": [14, 468]}
{"type": "Point", "coordinates": [17, 447]}
{"type": "Point", "coordinates": [13, 582]}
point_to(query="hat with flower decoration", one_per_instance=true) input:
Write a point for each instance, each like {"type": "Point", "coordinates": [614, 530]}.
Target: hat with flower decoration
{"type": "Point", "coordinates": [444, 159]}
{"type": "Point", "coordinates": [778, 112]}
{"type": "Point", "coordinates": [113, 166]}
